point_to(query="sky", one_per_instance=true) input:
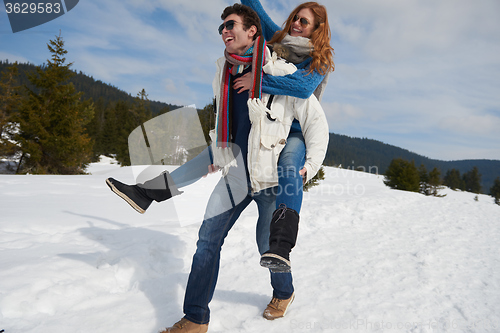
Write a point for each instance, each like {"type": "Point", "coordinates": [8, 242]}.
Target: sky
{"type": "Point", "coordinates": [422, 75]}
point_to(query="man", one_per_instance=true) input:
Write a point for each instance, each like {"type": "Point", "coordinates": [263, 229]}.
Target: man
{"type": "Point", "coordinates": [240, 32]}
{"type": "Point", "coordinates": [236, 145]}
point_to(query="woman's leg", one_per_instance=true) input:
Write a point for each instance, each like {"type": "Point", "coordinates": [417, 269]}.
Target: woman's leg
{"type": "Point", "coordinates": [291, 161]}
{"type": "Point", "coordinates": [282, 283]}
{"type": "Point", "coordinates": [285, 220]}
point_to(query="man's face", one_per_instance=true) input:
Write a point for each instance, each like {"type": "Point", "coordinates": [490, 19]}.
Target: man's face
{"type": "Point", "coordinates": [237, 39]}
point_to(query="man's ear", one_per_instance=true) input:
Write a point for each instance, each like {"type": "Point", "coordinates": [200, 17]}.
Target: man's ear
{"type": "Point", "coordinates": [252, 31]}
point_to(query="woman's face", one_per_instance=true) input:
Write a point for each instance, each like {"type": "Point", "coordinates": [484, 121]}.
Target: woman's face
{"type": "Point", "coordinates": [303, 24]}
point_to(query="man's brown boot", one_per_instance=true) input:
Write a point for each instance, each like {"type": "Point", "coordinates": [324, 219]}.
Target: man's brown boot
{"type": "Point", "coordinates": [186, 326]}
{"type": "Point", "coordinates": [277, 308]}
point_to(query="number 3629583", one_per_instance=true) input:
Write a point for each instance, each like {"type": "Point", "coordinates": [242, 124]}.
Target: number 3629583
{"type": "Point", "coordinates": [32, 8]}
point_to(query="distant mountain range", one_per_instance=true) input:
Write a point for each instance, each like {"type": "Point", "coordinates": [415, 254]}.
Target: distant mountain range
{"type": "Point", "coordinates": [375, 156]}
{"type": "Point", "coordinates": [353, 153]}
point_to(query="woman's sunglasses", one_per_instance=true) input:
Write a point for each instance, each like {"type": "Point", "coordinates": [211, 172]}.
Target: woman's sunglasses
{"type": "Point", "coordinates": [229, 25]}
{"type": "Point", "coordinates": [303, 21]}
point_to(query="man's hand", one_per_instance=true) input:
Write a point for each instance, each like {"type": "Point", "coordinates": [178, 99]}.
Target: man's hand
{"type": "Point", "coordinates": [243, 83]}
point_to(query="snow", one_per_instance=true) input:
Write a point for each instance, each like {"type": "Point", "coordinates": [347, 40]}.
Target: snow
{"type": "Point", "coordinates": [76, 258]}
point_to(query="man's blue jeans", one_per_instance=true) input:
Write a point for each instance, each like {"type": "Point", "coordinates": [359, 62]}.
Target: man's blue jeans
{"type": "Point", "coordinates": [216, 225]}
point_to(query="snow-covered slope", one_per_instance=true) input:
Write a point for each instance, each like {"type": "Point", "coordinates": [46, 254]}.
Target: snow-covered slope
{"type": "Point", "coordinates": [76, 258]}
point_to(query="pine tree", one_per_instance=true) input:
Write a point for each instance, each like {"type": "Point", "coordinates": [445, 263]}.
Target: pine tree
{"type": "Point", "coordinates": [52, 119]}
{"type": "Point", "coordinates": [95, 128]}
{"type": "Point", "coordinates": [129, 116]}
{"type": "Point", "coordinates": [472, 180]}
{"type": "Point", "coordinates": [119, 133]}
{"type": "Point", "coordinates": [207, 119]}
{"type": "Point", "coordinates": [424, 180]}
{"type": "Point", "coordinates": [402, 175]}
{"type": "Point", "coordinates": [435, 182]}
{"type": "Point", "coordinates": [453, 180]}
{"type": "Point", "coordinates": [142, 109]}
{"type": "Point", "coordinates": [315, 180]}
{"type": "Point", "coordinates": [9, 103]}
{"type": "Point", "coordinates": [495, 190]}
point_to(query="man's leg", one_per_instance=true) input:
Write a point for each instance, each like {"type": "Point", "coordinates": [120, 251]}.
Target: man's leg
{"type": "Point", "coordinates": [229, 198]}
{"type": "Point", "coordinates": [160, 188]}
{"type": "Point", "coordinates": [206, 260]}
{"type": "Point", "coordinates": [194, 169]}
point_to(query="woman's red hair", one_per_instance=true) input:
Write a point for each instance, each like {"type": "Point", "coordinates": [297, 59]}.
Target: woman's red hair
{"type": "Point", "coordinates": [322, 54]}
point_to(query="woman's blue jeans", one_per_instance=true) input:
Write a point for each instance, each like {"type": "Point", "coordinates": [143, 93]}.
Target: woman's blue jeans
{"type": "Point", "coordinates": [291, 161]}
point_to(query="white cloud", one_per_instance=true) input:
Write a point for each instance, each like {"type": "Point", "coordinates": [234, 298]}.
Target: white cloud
{"type": "Point", "coordinates": [179, 92]}
{"type": "Point", "coordinates": [111, 68]}
{"type": "Point", "coordinates": [392, 30]}
{"type": "Point", "coordinates": [342, 115]}
{"type": "Point", "coordinates": [482, 125]}
{"type": "Point", "coordinates": [12, 57]}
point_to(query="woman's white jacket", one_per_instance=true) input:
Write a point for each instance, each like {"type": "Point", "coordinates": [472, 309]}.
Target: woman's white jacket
{"type": "Point", "coordinates": [270, 129]}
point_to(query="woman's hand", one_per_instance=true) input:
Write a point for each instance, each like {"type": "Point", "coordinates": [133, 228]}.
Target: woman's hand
{"type": "Point", "coordinates": [211, 169]}
{"type": "Point", "coordinates": [303, 173]}
{"type": "Point", "coordinates": [243, 83]}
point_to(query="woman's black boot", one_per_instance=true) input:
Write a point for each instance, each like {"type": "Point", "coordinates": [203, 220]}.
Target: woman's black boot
{"type": "Point", "coordinates": [284, 230]}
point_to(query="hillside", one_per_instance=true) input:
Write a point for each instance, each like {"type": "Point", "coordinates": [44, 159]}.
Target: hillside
{"type": "Point", "coordinates": [375, 156]}
{"type": "Point", "coordinates": [116, 113]}
{"type": "Point", "coordinates": [76, 258]}
{"type": "Point", "coordinates": [92, 88]}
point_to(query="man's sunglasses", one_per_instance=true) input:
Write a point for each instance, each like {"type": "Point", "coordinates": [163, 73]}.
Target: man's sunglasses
{"type": "Point", "coordinates": [303, 21]}
{"type": "Point", "coordinates": [229, 25]}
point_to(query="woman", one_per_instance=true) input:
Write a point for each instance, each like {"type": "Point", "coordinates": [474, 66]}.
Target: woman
{"type": "Point", "coordinates": [312, 54]}
{"type": "Point", "coordinates": [304, 41]}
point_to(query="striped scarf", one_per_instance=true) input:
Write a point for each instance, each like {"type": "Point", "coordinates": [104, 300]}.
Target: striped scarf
{"type": "Point", "coordinates": [235, 64]}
